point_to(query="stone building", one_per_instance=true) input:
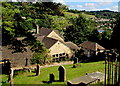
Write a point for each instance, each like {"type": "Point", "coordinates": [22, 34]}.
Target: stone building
{"type": "Point", "coordinates": [52, 41]}
{"type": "Point", "coordinates": [91, 48]}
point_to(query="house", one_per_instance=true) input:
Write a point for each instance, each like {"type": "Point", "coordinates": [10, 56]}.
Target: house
{"type": "Point", "coordinates": [91, 48]}
{"type": "Point", "coordinates": [52, 41]}
{"type": "Point", "coordinates": [56, 44]}
{"type": "Point", "coordinates": [57, 48]}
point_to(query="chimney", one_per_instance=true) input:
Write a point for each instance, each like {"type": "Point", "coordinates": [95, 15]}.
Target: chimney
{"type": "Point", "coordinates": [37, 29]}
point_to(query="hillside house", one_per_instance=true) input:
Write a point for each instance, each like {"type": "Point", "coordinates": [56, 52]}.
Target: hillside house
{"type": "Point", "coordinates": [55, 43]}
{"type": "Point", "coordinates": [91, 48]}
{"type": "Point", "coordinates": [52, 41]}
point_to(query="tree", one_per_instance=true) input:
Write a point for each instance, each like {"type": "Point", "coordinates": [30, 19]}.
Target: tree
{"type": "Point", "coordinates": [40, 55]}
{"type": "Point", "coordinates": [80, 30]}
{"type": "Point", "coordinates": [116, 34]}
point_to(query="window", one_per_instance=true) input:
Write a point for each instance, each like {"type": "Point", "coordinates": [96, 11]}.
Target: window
{"type": "Point", "coordinates": [53, 55]}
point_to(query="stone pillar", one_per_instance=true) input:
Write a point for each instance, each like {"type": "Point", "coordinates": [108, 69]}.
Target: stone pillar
{"type": "Point", "coordinates": [37, 70]}
{"type": "Point", "coordinates": [52, 77]}
{"type": "Point", "coordinates": [11, 76]}
{"type": "Point", "coordinates": [62, 73]}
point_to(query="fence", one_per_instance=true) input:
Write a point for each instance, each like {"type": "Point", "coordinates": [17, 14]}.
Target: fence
{"type": "Point", "coordinates": [112, 69]}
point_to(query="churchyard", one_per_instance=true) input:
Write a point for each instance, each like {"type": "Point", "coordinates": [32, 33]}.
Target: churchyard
{"type": "Point", "coordinates": [44, 77]}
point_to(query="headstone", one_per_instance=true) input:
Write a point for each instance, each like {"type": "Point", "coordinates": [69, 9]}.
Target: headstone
{"type": "Point", "coordinates": [52, 77]}
{"type": "Point", "coordinates": [37, 70]}
{"type": "Point", "coordinates": [26, 64]}
{"type": "Point", "coordinates": [62, 73]}
{"type": "Point", "coordinates": [75, 60]}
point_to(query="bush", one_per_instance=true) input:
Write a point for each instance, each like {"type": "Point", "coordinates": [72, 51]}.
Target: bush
{"type": "Point", "coordinates": [40, 58]}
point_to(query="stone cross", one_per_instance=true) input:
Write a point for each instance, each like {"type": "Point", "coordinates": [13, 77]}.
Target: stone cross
{"type": "Point", "coordinates": [37, 70]}
{"type": "Point", "coordinates": [62, 73]}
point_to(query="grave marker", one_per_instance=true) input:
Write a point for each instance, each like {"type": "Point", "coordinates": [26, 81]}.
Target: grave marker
{"type": "Point", "coordinates": [37, 70]}
{"type": "Point", "coordinates": [52, 77]}
{"type": "Point", "coordinates": [62, 73]}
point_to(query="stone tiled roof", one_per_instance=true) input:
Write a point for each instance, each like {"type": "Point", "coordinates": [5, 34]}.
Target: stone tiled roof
{"type": "Point", "coordinates": [18, 58]}
{"type": "Point", "coordinates": [49, 42]}
{"type": "Point", "coordinates": [72, 45]}
{"type": "Point", "coordinates": [45, 31]}
{"type": "Point", "coordinates": [91, 46]}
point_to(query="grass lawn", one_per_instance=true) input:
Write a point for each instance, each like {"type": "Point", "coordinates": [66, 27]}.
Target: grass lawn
{"type": "Point", "coordinates": [71, 73]}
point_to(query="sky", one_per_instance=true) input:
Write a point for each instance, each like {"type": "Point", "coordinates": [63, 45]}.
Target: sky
{"type": "Point", "coordinates": [91, 5]}
{"type": "Point", "coordinates": [88, 5]}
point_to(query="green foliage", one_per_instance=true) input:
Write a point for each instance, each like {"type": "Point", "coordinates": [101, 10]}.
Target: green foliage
{"type": "Point", "coordinates": [103, 14]}
{"type": "Point", "coordinates": [116, 34]}
{"type": "Point", "coordinates": [39, 58]}
{"type": "Point", "coordinates": [59, 23]}
{"type": "Point", "coordinates": [40, 55]}
{"type": "Point", "coordinates": [80, 30]}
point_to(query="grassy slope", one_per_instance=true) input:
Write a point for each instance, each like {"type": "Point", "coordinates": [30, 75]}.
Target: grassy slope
{"type": "Point", "coordinates": [67, 14]}
{"type": "Point", "coordinates": [29, 78]}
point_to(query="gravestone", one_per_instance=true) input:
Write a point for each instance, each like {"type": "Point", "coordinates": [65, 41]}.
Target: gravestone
{"type": "Point", "coordinates": [62, 73]}
{"type": "Point", "coordinates": [26, 64]}
{"type": "Point", "coordinates": [75, 60]}
{"type": "Point", "coordinates": [37, 70]}
{"type": "Point", "coordinates": [52, 77]}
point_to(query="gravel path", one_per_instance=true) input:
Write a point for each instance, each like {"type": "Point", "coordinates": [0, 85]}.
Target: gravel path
{"type": "Point", "coordinates": [43, 66]}
{"type": "Point", "coordinates": [57, 64]}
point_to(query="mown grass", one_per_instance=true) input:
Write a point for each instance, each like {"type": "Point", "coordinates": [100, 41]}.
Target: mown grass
{"type": "Point", "coordinates": [71, 73]}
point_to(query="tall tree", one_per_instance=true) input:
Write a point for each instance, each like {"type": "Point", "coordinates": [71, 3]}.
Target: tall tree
{"type": "Point", "coordinates": [80, 30]}
{"type": "Point", "coordinates": [116, 34]}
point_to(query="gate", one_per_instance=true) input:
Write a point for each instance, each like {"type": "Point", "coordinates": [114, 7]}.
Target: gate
{"type": "Point", "coordinates": [112, 68]}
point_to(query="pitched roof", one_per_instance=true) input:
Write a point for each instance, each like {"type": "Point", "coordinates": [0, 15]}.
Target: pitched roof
{"type": "Point", "coordinates": [72, 45]}
{"type": "Point", "coordinates": [49, 42]}
{"type": "Point", "coordinates": [91, 46]}
{"type": "Point", "coordinates": [45, 31]}
{"type": "Point", "coordinates": [40, 38]}
{"type": "Point", "coordinates": [17, 58]}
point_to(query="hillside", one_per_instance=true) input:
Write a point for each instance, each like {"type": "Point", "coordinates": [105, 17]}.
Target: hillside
{"type": "Point", "coordinates": [68, 14]}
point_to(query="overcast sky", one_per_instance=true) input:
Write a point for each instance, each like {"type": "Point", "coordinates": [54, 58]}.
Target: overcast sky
{"type": "Point", "coordinates": [91, 5]}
